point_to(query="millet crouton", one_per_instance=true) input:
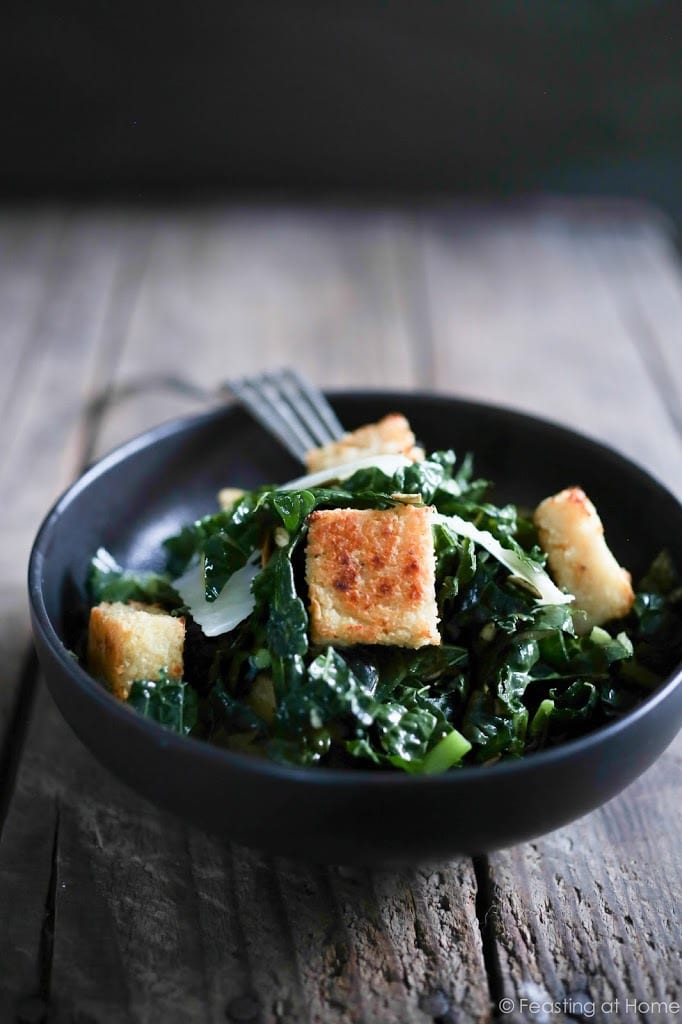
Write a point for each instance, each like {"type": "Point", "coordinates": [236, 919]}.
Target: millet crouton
{"type": "Point", "coordinates": [229, 496]}
{"type": "Point", "coordinates": [571, 533]}
{"type": "Point", "coordinates": [371, 577]}
{"type": "Point", "coordinates": [390, 436]}
{"type": "Point", "coordinates": [133, 641]}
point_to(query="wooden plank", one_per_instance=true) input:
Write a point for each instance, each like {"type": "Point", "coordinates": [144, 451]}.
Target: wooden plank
{"type": "Point", "coordinates": [124, 941]}
{"type": "Point", "coordinates": [230, 291]}
{"type": "Point", "coordinates": [527, 311]}
{"type": "Point", "coordinates": [63, 278]}
{"type": "Point", "coordinates": [60, 275]}
{"type": "Point", "coordinates": [386, 945]}
{"type": "Point", "coordinates": [153, 918]}
{"type": "Point", "coordinates": [26, 874]}
{"type": "Point", "coordinates": [646, 283]}
{"type": "Point", "coordinates": [588, 916]}
{"type": "Point", "coordinates": [28, 251]}
{"type": "Point", "coordinates": [27, 255]}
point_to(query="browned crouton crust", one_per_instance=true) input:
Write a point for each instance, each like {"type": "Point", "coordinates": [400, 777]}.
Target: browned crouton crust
{"type": "Point", "coordinates": [371, 577]}
{"type": "Point", "coordinates": [571, 533]}
{"type": "Point", "coordinates": [133, 641]}
{"type": "Point", "coordinates": [390, 436]}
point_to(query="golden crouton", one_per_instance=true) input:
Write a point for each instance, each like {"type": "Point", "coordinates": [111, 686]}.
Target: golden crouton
{"type": "Point", "coordinates": [571, 533]}
{"type": "Point", "coordinates": [390, 436]}
{"type": "Point", "coordinates": [133, 641]}
{"type": "Point", "coordinates": [371, 577]}
{"type": "Point", "coordinates": [229, 496]}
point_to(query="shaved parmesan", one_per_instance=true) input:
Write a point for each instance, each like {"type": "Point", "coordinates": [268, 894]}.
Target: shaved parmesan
{"type": "Point", "coordinates": [388, 464]}
{"type": "Point", "coordinates": [234, 603]}
{"type": "Point", "coordinates": [524, 571]}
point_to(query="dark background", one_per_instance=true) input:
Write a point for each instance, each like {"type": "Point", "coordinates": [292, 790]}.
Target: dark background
{"type": "Point", "coordinates": [412, 95]}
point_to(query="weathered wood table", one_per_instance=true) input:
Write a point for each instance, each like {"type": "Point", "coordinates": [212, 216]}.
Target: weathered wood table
{"type": "Point", "coordinates": [113, 912]}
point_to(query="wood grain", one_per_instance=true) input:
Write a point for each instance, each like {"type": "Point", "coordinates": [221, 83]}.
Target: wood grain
{"type": "Point", "coordinates": [64, 278]}
{"type": "Point", "coordinates": [588, 915]}
{"type": "Point", "coordinates": [114, 911]}
{"type": "Point", "coordinates": [231, 291]}
{"type": "Point", "coordinates": [645, 278]}
{"type": "Point", "coordinates": [535, 311]}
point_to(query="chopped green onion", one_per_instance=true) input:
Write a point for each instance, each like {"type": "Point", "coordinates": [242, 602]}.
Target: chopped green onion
{"type": "Point", "coordinates": [451, 749]}
{"type": "Point", "coordinates": [541, 718]}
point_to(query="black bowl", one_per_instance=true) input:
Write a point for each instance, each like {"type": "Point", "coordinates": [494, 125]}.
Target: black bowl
{"type": "Point", "coordinates": [146, 489]}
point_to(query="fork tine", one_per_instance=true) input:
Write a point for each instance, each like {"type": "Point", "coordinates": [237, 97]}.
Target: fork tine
{"type": "Point", "coordinates": [266, 405]}
{"type": "Point", "coordinates": [271, 386]}
{"type": "Point", "coordinates": [321, 417]}
{"type": "Point", "coordinates": [289, 407]}
{"type": "Point", "coordinates": [320, 404]}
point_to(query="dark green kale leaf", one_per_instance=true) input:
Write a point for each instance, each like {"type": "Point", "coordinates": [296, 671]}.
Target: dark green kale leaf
{"type": "Point", "coordinates": [661, 578]}
{"type": "Point", "coordinates": [239, 522]}
{"type": "Point", "coordinates": [228, 715]}
{"type": "Point", "coordinates": [455, 568]}
{"type": "Point", "coordinates": [327, 698]}
{"type": "Point", "coordinates": [569, 711]}
{"type": "Point", "coordinates": [472, 490]}
{"type": "Point", "coordinates": [488, 598]}
{"type": "Point", "coordinates": [651, 611]}
{"type": "Point", "coordinates": [337, 707]}
{"type": "Point", "coordinates": [424, 665]}
{"type": "Point", "coordinates": [329, 692]}
{"type": "Point", "coordinates": [435, 478]}
{"type": "Point", "coordinates": [370, 480]}
{"type": "Point", "coordinates": [399, 730]}
{"type": "Point", "coordinates": [541, 673]}
{"type": "Point", "coordinates": [293, 506]}
{"type": "Point", "coordinates": [184, 546]}
{"type": "Point", "coordinates": [500, 521]}
{"type": "Point", "coordinates": [223, 555]}
{"type": "Point", "coordinates": [490, 734]}
{"type": "Point", "coordinates": [513, 678]}
{"type": "Point", "coordinates": [496, 716]}
{"type": "Point", "coordinates": [409, 719]}
{"type": "Point", "coordinates": [655, 624]}
{"type": "Point", "coordinates": [423, 478]}
{"type": "Point", "coordinates": [278, 603]}
{"type": "Point", "coordinates": [590, 656]}
{"type": "Point", "coordinates": [107, 581]}
{"type": "Point", "coordinates": [337, 497]}
{"type": "Point", "coordinates": [574, 705]}
{"type": "Point", "coordinates": [171, 702]}
{"type": "Point", "coordinates": [288, 620]}
{"type": "Point", "coordinates": [405, 729]}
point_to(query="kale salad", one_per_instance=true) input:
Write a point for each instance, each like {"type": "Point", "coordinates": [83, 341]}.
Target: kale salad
{"type": "Point", "coordinates": [511, 671]}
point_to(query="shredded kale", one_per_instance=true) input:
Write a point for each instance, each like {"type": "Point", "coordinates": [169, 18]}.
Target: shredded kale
{"type": "Point", "coordinates": [511, 675]}
{"type": "Point", "coordinates": [107, 581]}
{"type": "Point", "coordinates": [171, 702]}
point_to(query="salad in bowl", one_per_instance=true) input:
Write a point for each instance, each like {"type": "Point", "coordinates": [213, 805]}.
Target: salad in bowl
{"type": "Point", "coordinates": [384, 612]}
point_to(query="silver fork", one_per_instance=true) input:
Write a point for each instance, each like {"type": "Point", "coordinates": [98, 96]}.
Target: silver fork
{"type": "Point", "coordinates": [290, 408]}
